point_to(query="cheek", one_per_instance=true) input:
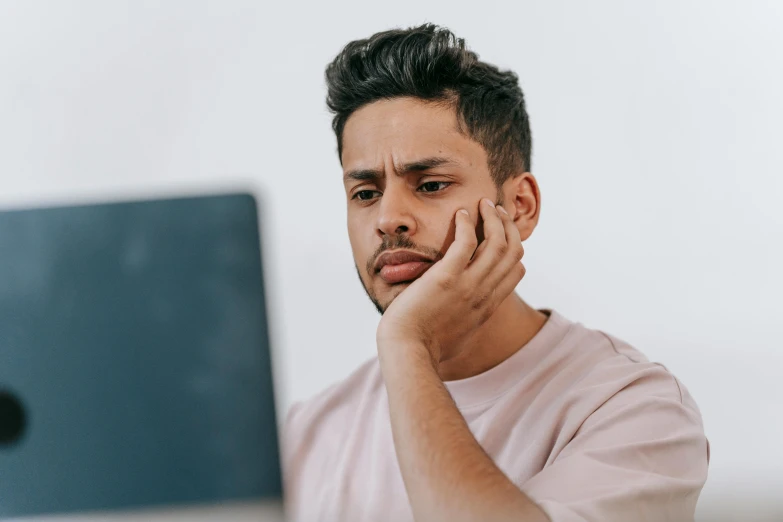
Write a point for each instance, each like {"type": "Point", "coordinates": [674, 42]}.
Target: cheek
{"type": "Point", "coordinates": [444, 230]}
{"type": "Point", "coordinates": [361, 239]}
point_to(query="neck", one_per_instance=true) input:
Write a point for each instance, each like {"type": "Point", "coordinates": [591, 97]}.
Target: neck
{"type": "Point", "coordinates": [509, 329]}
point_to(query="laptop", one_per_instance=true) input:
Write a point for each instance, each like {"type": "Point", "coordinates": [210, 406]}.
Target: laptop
{"type": "Point", "coordinates": [135, 372]}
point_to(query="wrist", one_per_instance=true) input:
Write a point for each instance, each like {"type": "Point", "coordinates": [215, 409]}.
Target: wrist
{"type": "Point", "coordinates": [408, 351]}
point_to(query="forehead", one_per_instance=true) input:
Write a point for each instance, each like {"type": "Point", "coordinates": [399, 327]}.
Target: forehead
{"type": "Point", "coordinates": [404, 130]}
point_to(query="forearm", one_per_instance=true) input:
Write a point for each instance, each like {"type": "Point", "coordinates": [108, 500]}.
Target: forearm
{"type": "Point", "coordinates": [447, 474]}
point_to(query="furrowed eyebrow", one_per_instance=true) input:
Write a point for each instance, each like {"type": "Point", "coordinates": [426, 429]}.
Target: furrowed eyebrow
{"type": "Point", "coordinates": [413, 166]}
{"type": "Point", "coordinates": [424, 164]}
{"type": "Point", "coordinates": [362, 175]}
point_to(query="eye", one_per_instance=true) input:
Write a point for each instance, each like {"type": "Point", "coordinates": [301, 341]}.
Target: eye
{"type": "Point", "coordinates": [433, 186]}
{"type": "Point", "coordinates": [365, 195]}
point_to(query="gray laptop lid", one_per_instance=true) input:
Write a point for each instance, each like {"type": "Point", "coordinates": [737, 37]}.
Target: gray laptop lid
{"type": "Point", "coordinates": [134, 358]}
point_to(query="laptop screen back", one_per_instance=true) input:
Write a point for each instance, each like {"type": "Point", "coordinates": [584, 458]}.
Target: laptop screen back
{"type": "Point", "coordinates": [134, 357]}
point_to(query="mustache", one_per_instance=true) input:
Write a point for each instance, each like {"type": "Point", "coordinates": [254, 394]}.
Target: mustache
{"type": "Point", "coordinates": [400, 242]}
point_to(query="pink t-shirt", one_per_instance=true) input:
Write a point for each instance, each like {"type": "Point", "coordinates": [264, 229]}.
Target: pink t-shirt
{"type": "Point", "coordinates": [580, 421]}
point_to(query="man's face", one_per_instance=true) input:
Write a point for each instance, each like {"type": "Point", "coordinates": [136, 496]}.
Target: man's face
{"type": "Point", "coordinates": [407, 171]}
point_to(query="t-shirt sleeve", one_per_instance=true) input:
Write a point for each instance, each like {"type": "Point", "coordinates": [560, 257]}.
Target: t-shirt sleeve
{"type": "Point", "coordinates": [641, 455]}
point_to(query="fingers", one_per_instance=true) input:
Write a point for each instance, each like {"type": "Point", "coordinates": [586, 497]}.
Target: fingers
{"type": "Point", "coordinates": [496, 262]}
{"type": "Point", "coordinates": [486, 275]}
{"type": "Point", "coordinates": [494, 247]}
{"type": "Point", "coordinates": [499, 260]}
{"type": "Point", "coordinates": [510, 228]}
{"type": "Point", "coordinates": [509, 271]}
{"type": "Point", "coordinates": [508, 282]}
{"type": "Point", "coordinates": [459, 253]}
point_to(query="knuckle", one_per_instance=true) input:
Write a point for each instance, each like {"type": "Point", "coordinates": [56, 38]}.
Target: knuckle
{"type": "Point", "coordinates": [499, 251]}
{"type": "Point", "coordinates": [485, 315]}
{"type": "Point", "coordinates": [480, 301]}
{"type": "Point", "coordinates": [447, 282]}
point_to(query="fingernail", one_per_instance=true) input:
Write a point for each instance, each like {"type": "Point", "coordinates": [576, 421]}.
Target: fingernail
{"type": "Point", "coordinates": [503, 210]}
{"type": "Point", "coordinates": [489, 202]}
{"type": "Point", "coordinates": [463, 211]}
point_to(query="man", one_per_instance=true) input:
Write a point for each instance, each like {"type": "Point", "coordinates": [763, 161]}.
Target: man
{"type": "Point", "coordinates": [478, 407]}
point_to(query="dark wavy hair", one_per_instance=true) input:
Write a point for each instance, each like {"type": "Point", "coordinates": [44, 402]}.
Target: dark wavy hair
{"type": "Point", "coordinates": [430, 63]}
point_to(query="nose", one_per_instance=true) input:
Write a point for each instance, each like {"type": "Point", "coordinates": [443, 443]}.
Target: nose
{"type": "Point", "coordinates": [395, 216]}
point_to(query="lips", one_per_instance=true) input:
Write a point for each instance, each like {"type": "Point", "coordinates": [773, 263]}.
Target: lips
{"type": "Point", "coordinates": [401, 266]}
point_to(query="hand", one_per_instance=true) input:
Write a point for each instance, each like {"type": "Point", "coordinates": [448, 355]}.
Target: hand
{"type": "Point", "coordinates": [459, 293]}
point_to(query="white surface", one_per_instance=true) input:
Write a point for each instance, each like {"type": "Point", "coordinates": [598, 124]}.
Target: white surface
{"type": "Point", "coordinates": [233, 512]}
{"type": "Point", "coordinates": [657, 137]}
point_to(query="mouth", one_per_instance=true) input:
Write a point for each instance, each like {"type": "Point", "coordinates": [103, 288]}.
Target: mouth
{"type": "Point", "coordinates": [401, 266]}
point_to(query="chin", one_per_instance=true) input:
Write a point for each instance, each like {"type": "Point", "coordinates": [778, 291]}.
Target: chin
{"type": "Point", "coordinates": [393, 291]}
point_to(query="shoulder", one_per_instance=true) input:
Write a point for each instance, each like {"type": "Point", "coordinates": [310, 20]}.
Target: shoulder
{"type": "Point", "coordinates": [615, 388]}
{"type": "Point", "coordinates": [332, 408]}
{"type": "Point", "coordinates": [602, 365]}
{"type": "Point", "coordinates": [631, 443]}
{"type": "Point", "coordinates": [632, 374]}
{"type": "Point", "coordinates": [598, 379]}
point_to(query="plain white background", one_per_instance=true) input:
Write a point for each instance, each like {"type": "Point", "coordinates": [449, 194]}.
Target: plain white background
{"type": "Point", "coordinates": [657, 144]}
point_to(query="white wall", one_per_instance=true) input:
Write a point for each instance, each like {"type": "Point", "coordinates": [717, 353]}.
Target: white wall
{"type": "Point", "coordinates": [657, 138]}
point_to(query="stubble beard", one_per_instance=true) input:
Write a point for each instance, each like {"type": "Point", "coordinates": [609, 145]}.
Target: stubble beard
{"type": "Point", "coordinates": [391, 243]}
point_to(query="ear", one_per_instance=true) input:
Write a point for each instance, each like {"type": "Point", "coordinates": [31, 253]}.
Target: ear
{"type": "Point", "coordinates": [522, 199]}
